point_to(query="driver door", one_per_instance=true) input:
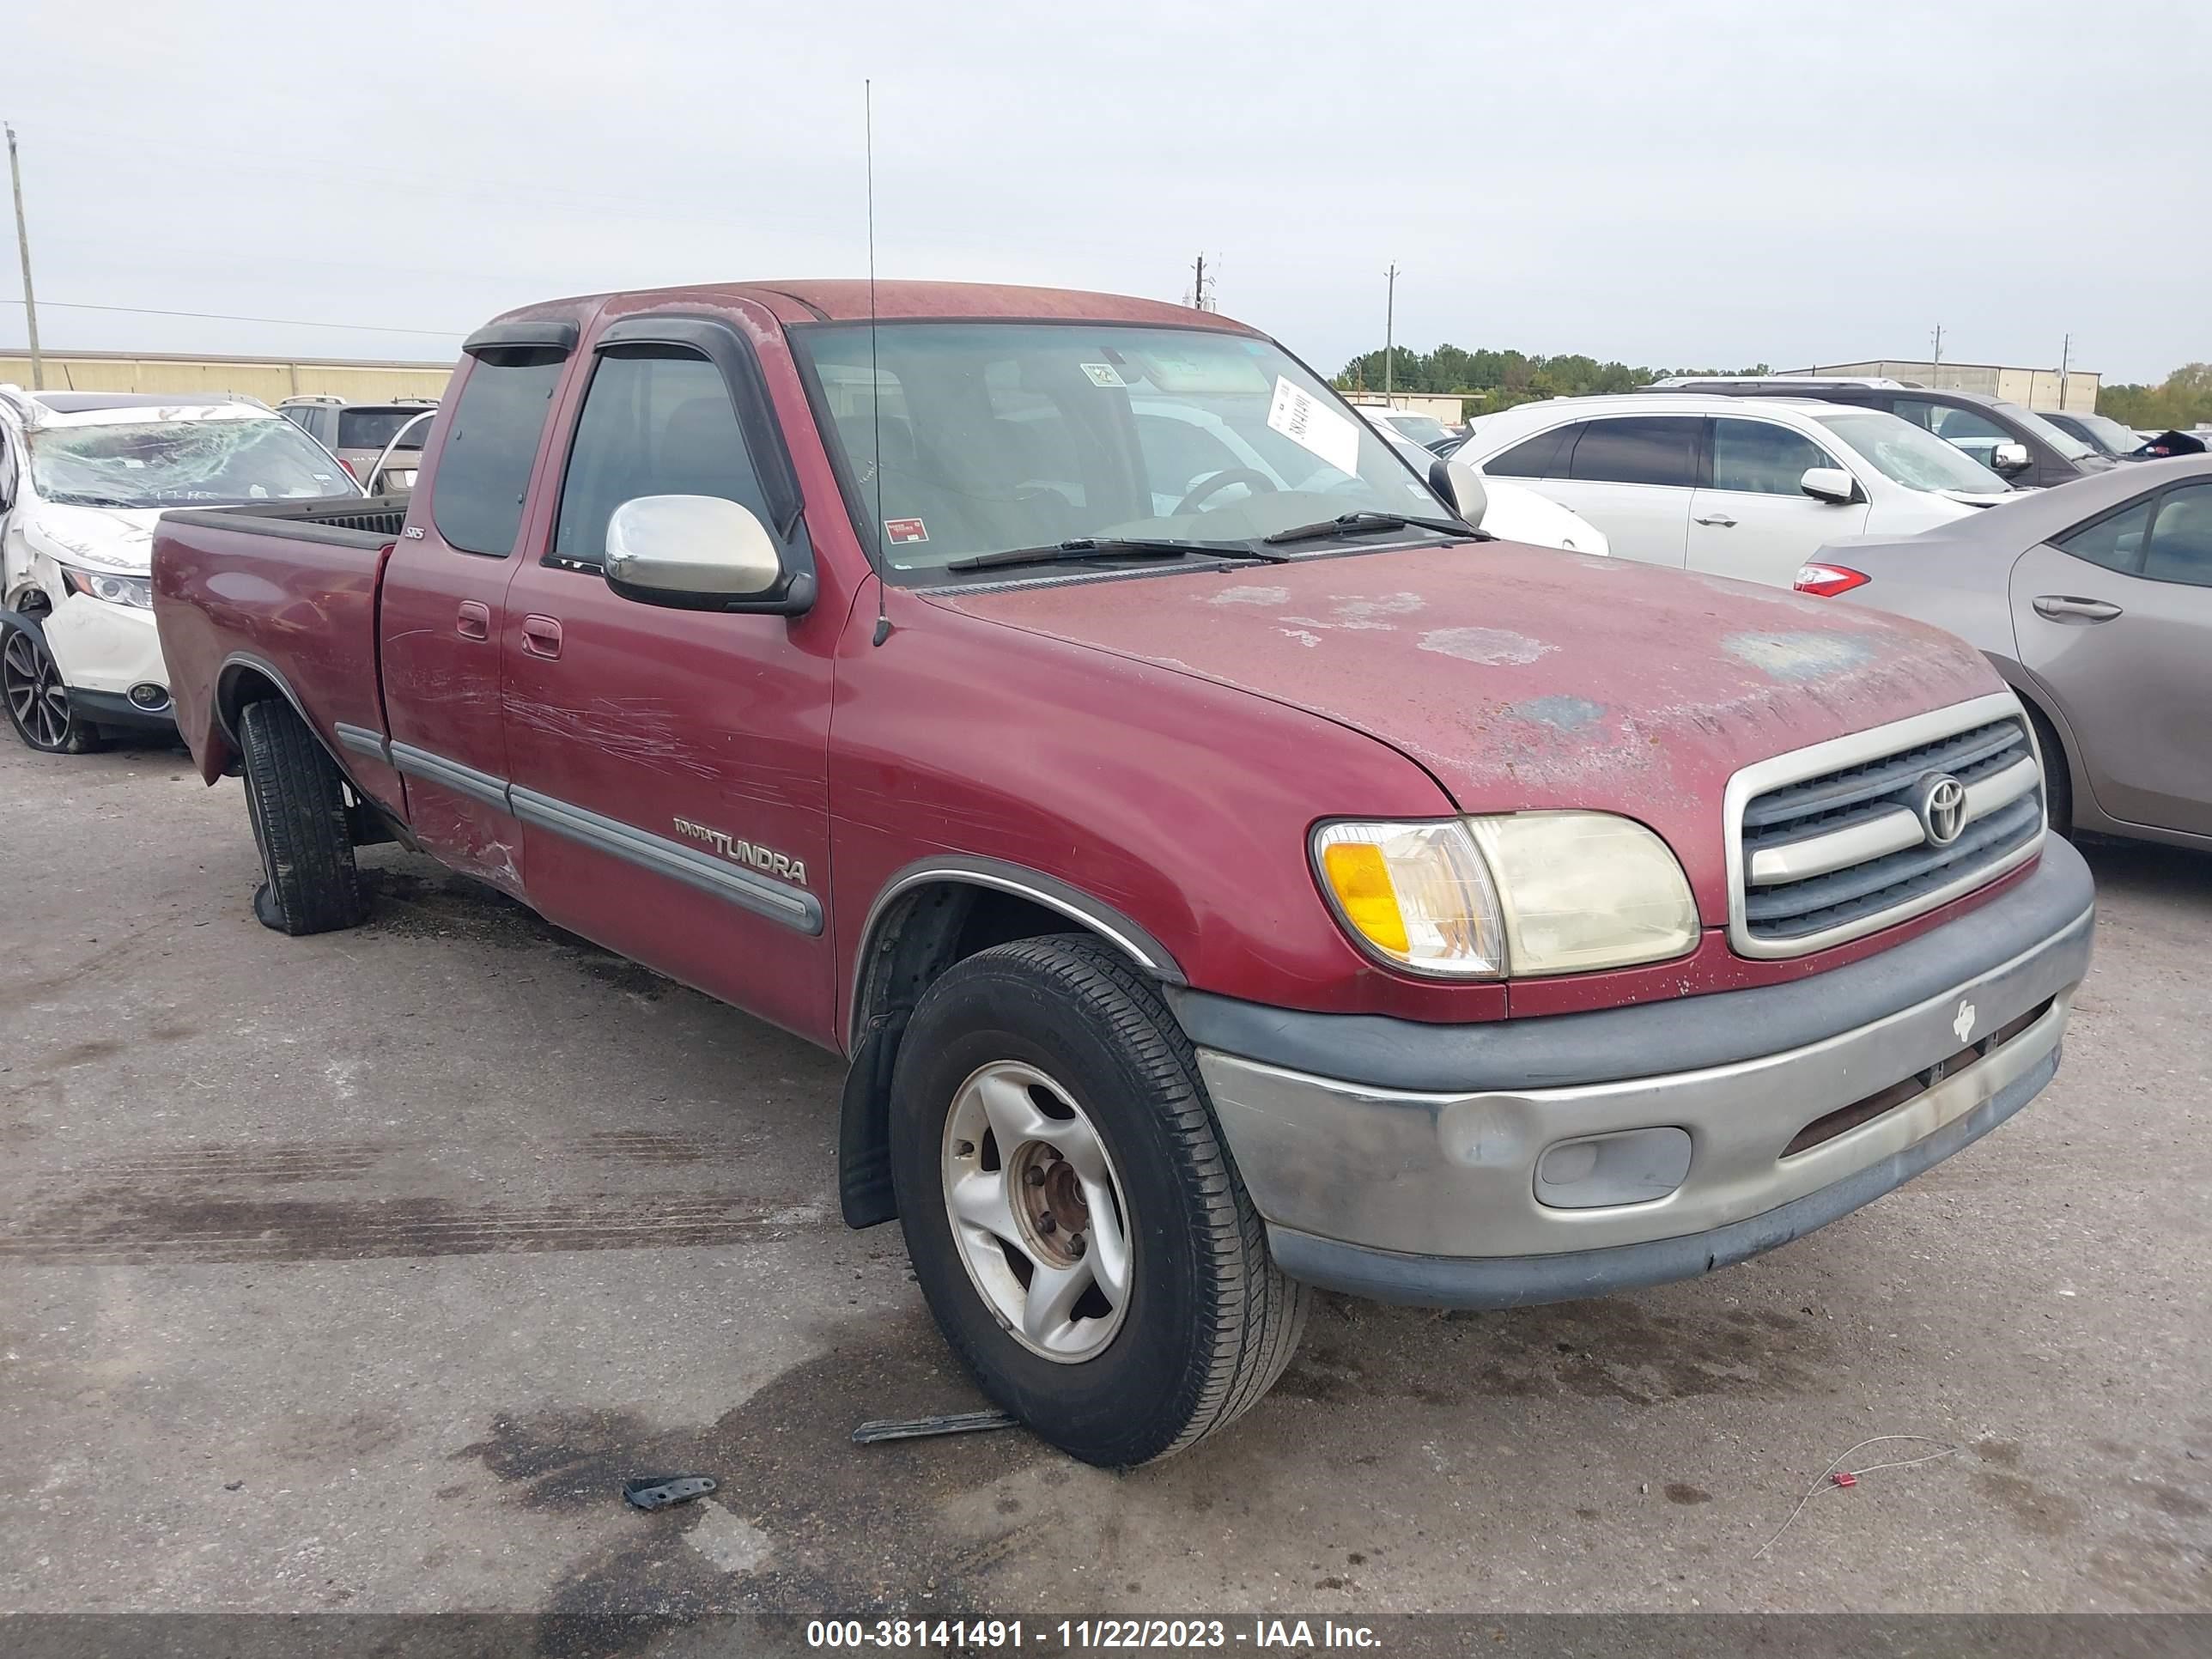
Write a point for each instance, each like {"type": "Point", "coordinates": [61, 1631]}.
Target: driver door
{"type": "Point", "coordinates": [671, 767]}
{"type": "Point", "coordinates": [1754, 520]}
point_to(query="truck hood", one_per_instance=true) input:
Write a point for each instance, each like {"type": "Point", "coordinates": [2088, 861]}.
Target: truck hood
{"type": "Point", "coordinates": [1522, 677]}
{"type": "Point", "coordinates": [118, 538]}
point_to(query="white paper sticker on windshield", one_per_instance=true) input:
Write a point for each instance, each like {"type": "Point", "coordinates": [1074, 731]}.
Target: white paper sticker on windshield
{"type": "Point", "coordinates": [1312, 424]}
{"type": "Point", "coordinates": [1103, 374]}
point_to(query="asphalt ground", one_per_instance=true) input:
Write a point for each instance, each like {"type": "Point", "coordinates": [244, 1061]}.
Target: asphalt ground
{"type": "Point", "coordinates": [355, 1274]}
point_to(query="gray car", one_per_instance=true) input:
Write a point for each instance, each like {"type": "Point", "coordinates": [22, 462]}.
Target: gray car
{"type": "Point", "coordinates": [2095, 604]}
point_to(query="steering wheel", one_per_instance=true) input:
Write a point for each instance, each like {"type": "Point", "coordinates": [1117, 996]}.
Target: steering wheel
{"type": "Point", "coordinates": [1220, 481]}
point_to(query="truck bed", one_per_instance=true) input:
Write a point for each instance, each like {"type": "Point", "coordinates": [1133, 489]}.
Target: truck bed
{"type": "Point", "coordinates": [276, 593]}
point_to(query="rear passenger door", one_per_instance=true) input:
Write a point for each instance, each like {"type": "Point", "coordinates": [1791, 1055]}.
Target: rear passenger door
{"type": "Point", "coordinates": [2116, 618]}
{"type": "Point", "coordinates": [1752, 519]}
{"type": "Point", "coordinates": [671, 767]}
{"type": "Point", "coordinates": [444, 598]}
{"type": "Point", "coordinates": [1633, 476]}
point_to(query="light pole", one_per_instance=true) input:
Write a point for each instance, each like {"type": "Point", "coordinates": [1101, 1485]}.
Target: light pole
{"type": "Point", "coordinates": [1390, 322]}
{"type": "Point", "coordinates": [23, 247]}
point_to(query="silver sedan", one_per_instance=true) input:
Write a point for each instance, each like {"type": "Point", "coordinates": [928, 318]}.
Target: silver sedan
{"type": "Point", "coordinates": [2094, 600]}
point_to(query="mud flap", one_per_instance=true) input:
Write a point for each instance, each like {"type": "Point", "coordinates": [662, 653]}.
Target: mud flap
{"type": "Point", "coordinates": [864, 1132]}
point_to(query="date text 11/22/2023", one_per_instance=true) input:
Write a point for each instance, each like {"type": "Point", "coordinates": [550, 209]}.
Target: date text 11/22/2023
{"type": "Point", "coordinates": [1079, 1635]}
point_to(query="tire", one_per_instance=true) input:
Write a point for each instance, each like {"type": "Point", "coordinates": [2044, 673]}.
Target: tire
{"type": "Point", "coordinates": [2057, 776]}
{"type": "Point", "coordinates": [294, 796]}
{"type": "Point", "coordinates": [1206, 1323]}
{"type": "Point", "coordinates": [37, 701]}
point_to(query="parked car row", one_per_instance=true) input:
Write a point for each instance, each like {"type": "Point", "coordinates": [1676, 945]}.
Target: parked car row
{"type": "Point", "coordinates": [1227, 866]}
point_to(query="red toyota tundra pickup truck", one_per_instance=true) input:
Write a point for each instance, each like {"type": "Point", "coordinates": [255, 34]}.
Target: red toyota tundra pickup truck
{"type": "Point", "coordinates": [1226, 870]}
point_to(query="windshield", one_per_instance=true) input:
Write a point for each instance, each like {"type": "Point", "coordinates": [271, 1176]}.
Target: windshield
{"type": "Point", "coordinates": [1910, 455]}
{"type": "Point", "coordinates": [373, 427]}
{"type": "Point", "coordinates": [997, 436]}
{"type": "Point", "coordinates": [2064, 442]}
{"type": "Point", "coordinates": [2107, 433]}
{"type": "Point", "coordinates": [182, 464]}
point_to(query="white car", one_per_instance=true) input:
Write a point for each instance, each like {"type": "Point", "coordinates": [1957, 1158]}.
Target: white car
{"type": "Point", "coordinates": [1746, 488]}
{"type": "Point", "coordinates": [83, 475]}
{"type": "Point", "coordinates": [1515, 512]}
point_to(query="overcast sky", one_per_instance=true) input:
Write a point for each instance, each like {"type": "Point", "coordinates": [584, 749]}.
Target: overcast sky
{"type": "Point", "coordinates": [1700, 183]}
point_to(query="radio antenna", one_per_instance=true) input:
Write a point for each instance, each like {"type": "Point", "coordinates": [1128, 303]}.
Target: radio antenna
{"type": "Point", "coordinates": [875, 382]}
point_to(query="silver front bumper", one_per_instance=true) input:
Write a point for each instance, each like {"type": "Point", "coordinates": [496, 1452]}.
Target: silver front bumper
{"type": "Point", "coordinates": [1453, 1174]}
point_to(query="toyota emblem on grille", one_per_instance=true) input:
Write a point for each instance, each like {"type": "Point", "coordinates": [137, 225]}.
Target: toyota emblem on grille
{"type": "Point", "coordinates": [1943, 808]}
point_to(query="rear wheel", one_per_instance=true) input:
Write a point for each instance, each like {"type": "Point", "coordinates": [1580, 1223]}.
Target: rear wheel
{"type": "Point", "coordinates": [1072, 1216]}
{"type": "Point", "coordinates": [38, 703]}
{"type": "Point", "coordinates": [296, 798]}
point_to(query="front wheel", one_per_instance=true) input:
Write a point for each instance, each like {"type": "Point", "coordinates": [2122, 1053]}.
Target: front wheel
{"type": "Point", "coordinates": [1074, 1218]}
{"type": "Point", "coordinates": [38, 703]}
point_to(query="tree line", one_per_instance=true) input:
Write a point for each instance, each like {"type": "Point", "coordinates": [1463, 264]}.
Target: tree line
{"type": "Point", "coordinates": [1499, 379]}
{"type": "Point", "coordinates": [2182, 399]}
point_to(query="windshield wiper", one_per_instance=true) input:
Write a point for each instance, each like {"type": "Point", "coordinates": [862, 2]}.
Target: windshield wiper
{"type": "Point", "coordinates": [1361, 523]}
{"type": "Point", "coordinates": [1112, 546]}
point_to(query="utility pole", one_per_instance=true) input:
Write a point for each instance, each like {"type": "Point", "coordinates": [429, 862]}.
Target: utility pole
{"type": "Point", "coordinates": [23, 247]}
{"type": "Point", "coordinates": [1389, 325]}
{"type": "Point", "coordinates": [1938, 363]}
{"type": "Point", "coordinates": [1200, 298]}
{"type": "Point", "coordinates": [2065, 356]}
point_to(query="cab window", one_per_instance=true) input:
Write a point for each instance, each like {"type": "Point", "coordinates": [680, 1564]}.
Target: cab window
{"type": "Point", "coordinates": [657, 420]}
{"type": "Point", "coordinates": [484, 464]}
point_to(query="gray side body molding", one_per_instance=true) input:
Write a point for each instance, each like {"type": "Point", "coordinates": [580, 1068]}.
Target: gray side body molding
{"type": "Point", "coordinates": [794, 907]}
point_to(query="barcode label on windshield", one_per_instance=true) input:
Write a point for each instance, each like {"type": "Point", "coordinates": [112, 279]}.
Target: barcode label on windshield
{"type": "Point", "coordinates": [1313, 425]}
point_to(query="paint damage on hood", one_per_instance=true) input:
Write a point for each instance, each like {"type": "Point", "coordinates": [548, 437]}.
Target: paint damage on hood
{"type": "Point", "coordinates": [1524, 678]}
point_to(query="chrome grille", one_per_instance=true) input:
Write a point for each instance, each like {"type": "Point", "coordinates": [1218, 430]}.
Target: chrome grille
{"type": "Point", "coordinates": [1827, 851]}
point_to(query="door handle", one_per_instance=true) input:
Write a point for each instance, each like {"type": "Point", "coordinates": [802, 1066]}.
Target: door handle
{"type": "Point", "coordinates": [1721, 519]}
{"type": "Point", "coordinates": [475, 621]}
{"type": "Point", "coordinates": [2064, 607]}
{"type": "Point", "coordinates": [541, 637]}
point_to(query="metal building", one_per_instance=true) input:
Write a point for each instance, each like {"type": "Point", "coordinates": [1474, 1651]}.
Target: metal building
{"type": "Point", "coordinates": [269, 378]}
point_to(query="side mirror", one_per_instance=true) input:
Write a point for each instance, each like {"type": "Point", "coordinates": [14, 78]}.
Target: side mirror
{"type": "Point", "coordinates": [1830, 485]}
{"type": "Point", "coordinates": [693, 553]}
{"type": "Point", "coordinates": [2009, 459]}
{"type": "Point", "coordinates": [1461, 485]}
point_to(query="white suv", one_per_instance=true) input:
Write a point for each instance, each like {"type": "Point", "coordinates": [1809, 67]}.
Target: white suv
{"type": "Point", "coordinates": [1748, 488]}
{"type": "Point", "coordinates": [83, 475]}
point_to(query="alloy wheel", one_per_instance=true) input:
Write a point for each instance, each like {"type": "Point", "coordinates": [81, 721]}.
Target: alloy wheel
{"type": "Point", "coordinates": [37, 699]}
{"type": "Point", "coordinates": [1036, 1211]}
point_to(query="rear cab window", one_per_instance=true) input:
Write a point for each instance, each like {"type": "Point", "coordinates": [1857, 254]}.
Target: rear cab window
{"type": "Point", "coordinates": [491, 446]}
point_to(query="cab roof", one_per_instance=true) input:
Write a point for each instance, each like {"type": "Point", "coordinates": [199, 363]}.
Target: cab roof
{"type": "Point", "coordinates": [846, 300]}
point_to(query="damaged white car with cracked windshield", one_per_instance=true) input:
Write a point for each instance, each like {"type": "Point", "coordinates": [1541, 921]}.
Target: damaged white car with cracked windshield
{"type": "Point", "coordinates": [83, 476]}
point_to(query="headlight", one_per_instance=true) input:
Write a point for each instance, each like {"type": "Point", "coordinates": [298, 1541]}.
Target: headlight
{"type": "Point", "coordinates": [136, 592]}
{"type": "Point", "coordinates": [1527, 893]}
{"type": "Point", "coordinates": [1585, 889]}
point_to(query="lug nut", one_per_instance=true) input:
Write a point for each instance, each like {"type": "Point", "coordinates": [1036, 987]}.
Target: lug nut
{"type": "Point", "coordinates": [1075, 1244]}
{"type": "Point", "coordinates": [1033, 1175]}
{"type": "Point", "coordinates": [1045, 1224]}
